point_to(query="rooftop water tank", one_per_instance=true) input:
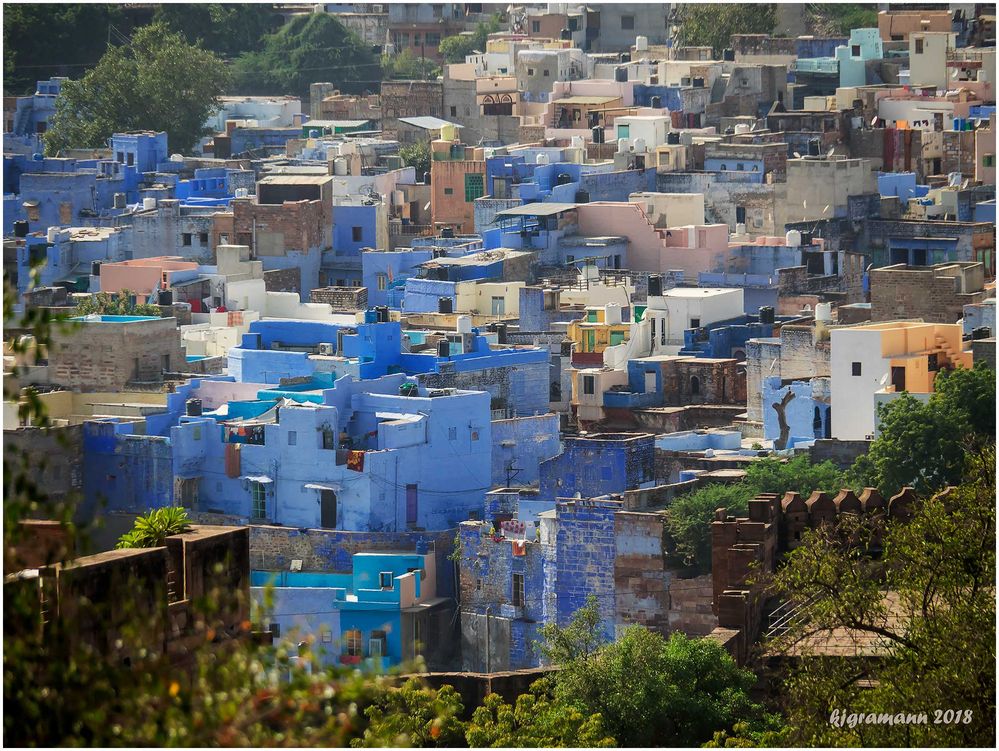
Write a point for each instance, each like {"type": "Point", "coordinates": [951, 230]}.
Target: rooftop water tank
{"type": "Point", "coordinates": [339, 166]}
{"type": "Point", "coordinates": [639, 145]}
{"type": "Point", "coordinates": [740, 229]}
{"type": "Point", "coordinates": [541, 159]}
{"type": "Point", "coordinates": [53, 235]}
{"type": "Point", "coordinates": [612, 313]}
{"type": "Point", "coordinates": [242, 193]}
{"type": "Point", "coordinates": [823, 311]}
{"type": "Point", "coordinates": [641, 43]}
{"type": "Point", "coordinates": [741, 128]}
{"type": "Point", "coordinates": [464, 324]}
{"type": "Point", "coordinates": [793, 238]}
{"type": "Point", "coordinates": [148, 203]}
{"type": "Point", "coordinates": [577, 142]}
{"type": "Point", "coordinates": [623, 145]}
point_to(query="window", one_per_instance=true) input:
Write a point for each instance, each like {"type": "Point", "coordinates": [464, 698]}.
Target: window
{"type": "Point", "coordinates": [518, 590]}
{"type": "Point", "coordinates": [623, 131]}
{"type": "Point", "coordinates": [897, 38]}
{"type": "Point", "coordinates": [402, 39]}
{"type": "Point", "coordinates": [588, 382]}
{"type": "Point", "coordinates": [121, 157]}
{"type": "Point", "coordinates": [186, 238]}
{"type": "Point", "coordinates": [203, 238]}
{"type": "Point", "coordinates": [130, 159]}
{"type": "Point", "coordinates": [329, 441]}
{"type": "Point", "coordinates": [165, 363]}
{"type": "Point", "coordinates": [189, 492]}
{"type": "Point", "coordinates": [353, 643]}
{"type": "Point", "coordinates": [989, 160]}
{"type": "Point", "coordinates": [919, 45]}
{"type": "Point", "coordinates": [452, 434]}
{"type": "Point", "coordinates": [739, 166]}
{"type": "Point", "coordinates": [433, 39]}
{"type": "Point", "coordinates": [292, 437]}
{"type": "Point", "coordinates": [412, 505]}
{"type": "Point", "coordinates": [855, 50]}
{"type": "Point", "coordinates": [535, 27]}
{"type": "Point", "coordinates": [385, 579]}
{"type": "Point", "coordinates": [473, 187]}
{"type": "Point", "coordinates": [258, 500]}
{"type": "Point", "coordinates": [381, 278]}
{"type": "Point", "coordinates": [416, 40]}
{"type": "Point", "coordinates": [856, 368]}
{"type": "Point", "coordinates": [357, 234]}
{"type": "Point", "coordinates": [627, 22]}
{"type": "Point", "coordinates": [695, 323]}
{"type": "Point", "coordinates": [327, 635]}
{"type": "Point", "coordinates": [547, 73]}
{"type": "Point", "coordinates": [475, 435]}
{"type": "Point", "coordinates": [275, 630]}
{"type": "Point", "coordinates": [530, 71]}
{"type": "Point", "coordinates": [573, 24]}
{"type": "Point", "coordinates": [449, 191]}
{"type": "Point", "coordinates": [662, 334]}
{"type": "Point", "coordinates": [65, 212]}
{"type": "Point", "coordinates": [478, 585]}
{"type": "Point", "coordinates": [376, 644]}
{"type": "Point", "coordinates": [454, 111]}
{"type": "Point", "coordinates": [695, 385]}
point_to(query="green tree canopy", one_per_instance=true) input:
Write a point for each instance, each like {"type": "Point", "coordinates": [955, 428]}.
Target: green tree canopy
{"type": "Point", "coordinates": [924, 445]}
{"type": "Point", "coordinates": [417, 155]}
{"type": "Point", "coordinates": [688, 518]}
{"type": "Point", "coordinates": [55, 39]}
{"type": "Point", "coordinates": [157, 82]}
{"type": "Point", "coordinates": [309, 48]}
{"type": "Point", "coordinates": [712, 25]}
{"type": "Point", "coordinates": [228, 29]}
{"type": "Point", "coordinates": [409, 67]}
{"type": "Point", "coordinates": [842, 18]}
{"type": "Point", "coordinates": [454, 49]}
{"type": "Point", "coordinates": [930, 605]}
{"type": "Point", "coordinates": [414, 715]}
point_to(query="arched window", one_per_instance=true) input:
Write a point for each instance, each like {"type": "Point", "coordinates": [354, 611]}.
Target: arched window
{"type": "Point", "coordinates": [817, 421]}
{"type": "Point", "coordinates": [695, 385]}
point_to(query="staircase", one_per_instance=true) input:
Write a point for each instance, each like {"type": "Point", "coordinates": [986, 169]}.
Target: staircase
{"type": "Point", "coordinates": [944, 346]}
{"type": "Point", "coordinates": [786, 617]}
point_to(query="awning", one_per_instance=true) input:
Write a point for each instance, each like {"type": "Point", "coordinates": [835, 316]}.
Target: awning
{"type": "Point", "coordinates": [30, 203]}
{"type": "Point", "coordinates": [537, 209]}
{"type": "Point", "coordinates": [263, 479]}
{"type": "Point", "coordinates": [318, 486]}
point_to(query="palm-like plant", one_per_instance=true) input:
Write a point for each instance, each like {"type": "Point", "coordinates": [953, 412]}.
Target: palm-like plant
{"type": "Point", "coordinates": [151, 530]}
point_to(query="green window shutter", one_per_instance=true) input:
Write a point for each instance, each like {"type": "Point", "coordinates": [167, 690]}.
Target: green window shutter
{"type": "Point", "coordinates": [473, 186]}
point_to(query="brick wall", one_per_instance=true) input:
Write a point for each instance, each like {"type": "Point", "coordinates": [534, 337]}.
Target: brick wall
{"type": "Point", "coordinates": [342, 299]}
{"type": "Point", "coordinates": [641, 582]}
{"type": "Point", "coordinates": [283, 280]}
{"type": "Point", "coordinates": [900, 292]}
{"type": "Point", "coordinates": [275, 229]}
{"type": "Point", "coordinates": [409, 99]}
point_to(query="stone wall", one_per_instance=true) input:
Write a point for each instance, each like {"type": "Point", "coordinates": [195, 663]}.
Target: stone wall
{"type": "Point", "coordinates": [342, 299]}
{"type": "Point", "coordinates": [284, 280]}
{"type": "Point", "coordinates": [690, 609]}
{"type": "Point", "coordinates": [409, 99]}
{"type": "Point", "coordinates": [901, 292]}
{"type": "Point", "coordinates": [640, 580]}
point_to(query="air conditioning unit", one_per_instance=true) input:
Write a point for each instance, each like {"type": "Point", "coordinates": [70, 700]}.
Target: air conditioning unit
{"type": "Point", "coordinates": [326, 348]}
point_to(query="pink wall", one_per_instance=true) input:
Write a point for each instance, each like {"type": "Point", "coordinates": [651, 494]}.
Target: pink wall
{"type": "Point", "coordinates": [692, 249]}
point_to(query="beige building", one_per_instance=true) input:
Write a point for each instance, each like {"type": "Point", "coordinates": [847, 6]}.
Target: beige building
{"type": "Point", "coordinates": [820, 188]}
{"type": "Point", "coordinates": [928, 58]}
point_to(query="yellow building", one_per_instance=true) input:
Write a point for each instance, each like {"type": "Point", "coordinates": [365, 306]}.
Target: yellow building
{"type": "Point", "coordinates": [601, 327]}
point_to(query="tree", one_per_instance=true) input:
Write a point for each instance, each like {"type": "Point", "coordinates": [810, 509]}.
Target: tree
{"type": "Point", "coordinates": [150, 530]}
{"type": "Point", "coordinates": [924, 445]}
{"type": "Point", "coordinates": [578, 640]}
{"type": "Point", "coordinates": [537, 720]}
{"type": "Point", "coordinates": [312, 47]}
{"type": "Point", "coordinates": [116, 304]}
{"type": "Point", "coordinates": [157, 82]}
{"type": "Point", "coordinates": [835, 19]}
{"type": "Point", "coordinates": [688, 518]}
{"type": "Point", "coordinates": [57, 39]}
{"type": "Point", "coordinates": [713, 25]}
{"type": "Point", "coordinates": [930, 603]}
{"type": "Point", "coordinates": [454, 49]}
{"type": "Point", "coordinates": [653, 691]}
{"type": "Point", "coordinates": [417, 155]}
{"type": "Point", "coordinates": [408, 67]}
{"type": "Point", "coordinates": [414, 715]}
{"type": "Point", "coordinates": [228, 29]}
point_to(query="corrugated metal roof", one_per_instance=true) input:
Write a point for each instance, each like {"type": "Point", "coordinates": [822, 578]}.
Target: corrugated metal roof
{"type": "Point", "coordinates": [537, 209]}
{"type": "Point", "coordinates": [427, 122]}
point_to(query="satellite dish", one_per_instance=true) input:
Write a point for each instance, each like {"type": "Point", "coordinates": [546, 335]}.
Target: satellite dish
{"type": "Point", "coordinates": [797, 155]}
{"type": "Point", "coordinates": [804, 204]}
{"type": "Point", "coordinates": [427, 206]}
{"type": "Point", "coordinates": [830, 152]}
{"type": "Point", "coordinates": [964, 185]}
{"type": "Point", "coordinates": [884, 379]}
{"type": "Point", "coordinates": [955, 73]}
{"type": "Point", "coordinates": [825, 209]}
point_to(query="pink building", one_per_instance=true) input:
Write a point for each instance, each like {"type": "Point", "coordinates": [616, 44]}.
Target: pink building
{"type": "Point", "coordinates": [143, 276]}
{"type": "Point", "coordinates": [692, 249]}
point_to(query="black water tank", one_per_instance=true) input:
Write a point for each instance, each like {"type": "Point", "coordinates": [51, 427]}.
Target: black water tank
{"type": "Point", "coordinates": [582, 196]}
{"type": "Point", "coordinates": [598, 135]}
{"type": "Point", "coordinates": [766, 314]}
{"type": "Point", "coordinates": [383, 313]}
{"type": "Point", "coordinates": [655, 285]}
{"type": "Point", "coordinates": [20, 228]}
{"type": "Point", "coordinates": [426, 178]}
{"type": "Point", "coordinates": [564, 178]}
{"type": "Point", "coordinates": [443, 348]}
{"type": "Point", "coordinates": [501, 333]}
{"type": "Point", "coordinates": [592, 119]}
{"type": "Point", "coordinates": [95, 268]}
{"type": "Point", "coordinates": [621, 75]}
{"type": "Point", "coordinates": [447, 232]}
{"type": "Point", "coordinates": [673, 138]}
{"type": "Point", "coordinates": [625, 57]}
{"type": "Point", "coordinates": [445, 305]}
{"type": "Point", "coordinates": [729, 131]}
{"type": "Point", "coordinates": [656, 102]}
{"type": "Point", "coordinates": [806, 238]}
{"type": "Point", "coordinates": [565, 34]}
{"type": "Point", "coordinates": [982, 332]}
{"type": "Point", "coordinates": [813, 146]}
{"type": "Point", "coordinates": [193, 407]}
{"type": "Point", "coordinates": [166, 297]}
{"type": "Point", "coordinates": [728, 55]}
{"type": "Point", "coordinates": [697, 83]}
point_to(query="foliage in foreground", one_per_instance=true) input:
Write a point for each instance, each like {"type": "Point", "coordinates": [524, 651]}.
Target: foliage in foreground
{"type": "Point", "coordinates": [712, 25]}
{"type": "Point", "coordinates": [930, 605]}
{"type": "Point", "coordinates": [157, 82]}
